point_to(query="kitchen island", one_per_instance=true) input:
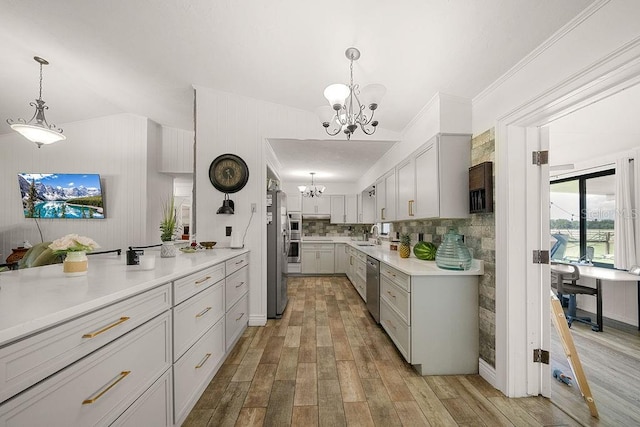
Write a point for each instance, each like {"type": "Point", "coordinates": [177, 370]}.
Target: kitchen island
{"type": "Point", "coordinates": [118, 345]}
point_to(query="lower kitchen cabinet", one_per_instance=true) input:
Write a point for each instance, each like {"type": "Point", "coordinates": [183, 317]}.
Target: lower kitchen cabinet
{"type": "Point", "coordinates": [357, 271]}
{"type": "Point", "coordinates": [341, 258]}
{"type": "Point", "coordinates": [153, 408]}
{"type": "Point", "coordinates": [97, 389]}
{"type": "Point", "coordinates": [318, 258]}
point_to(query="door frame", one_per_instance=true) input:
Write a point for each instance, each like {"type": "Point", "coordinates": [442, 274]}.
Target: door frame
{"type": "Point", "coordinates": [520, 284]}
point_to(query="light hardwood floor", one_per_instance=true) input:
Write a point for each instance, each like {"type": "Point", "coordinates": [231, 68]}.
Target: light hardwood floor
{"type": "Point", "coordinates": [327, 363]}
{"type": "Point", "coordinates": [611, 362]}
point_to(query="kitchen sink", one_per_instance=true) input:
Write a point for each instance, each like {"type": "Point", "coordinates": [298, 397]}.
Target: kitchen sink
{"type": "Point", "coordinates": [364, 244]}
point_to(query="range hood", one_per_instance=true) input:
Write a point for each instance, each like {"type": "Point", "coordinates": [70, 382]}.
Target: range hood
{"type": "Point", "coordinates": [315, 216]}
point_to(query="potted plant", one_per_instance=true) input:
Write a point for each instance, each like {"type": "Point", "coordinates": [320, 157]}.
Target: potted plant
{"type": "Point", "coordinates": [75, 248]}
{"type": "Point", "coordinates": [405, 245]}
{"type": "Point", "coordinates": [168, 228]}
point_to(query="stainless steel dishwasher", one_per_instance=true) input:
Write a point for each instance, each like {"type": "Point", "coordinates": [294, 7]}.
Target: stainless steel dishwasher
{"type": "Point", "coordinates": [373, 287]}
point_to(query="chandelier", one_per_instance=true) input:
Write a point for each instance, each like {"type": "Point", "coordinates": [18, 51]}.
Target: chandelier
{"type": "Point", "coordinates": [311, 190]}
{"type": "Point", "coordinates": [37, 129]}
{"type": "Point", "coordinates": [347, 104]}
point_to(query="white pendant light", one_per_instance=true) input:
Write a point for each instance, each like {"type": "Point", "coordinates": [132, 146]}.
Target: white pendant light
{"type": "Point", "coordinates": [37, 129]}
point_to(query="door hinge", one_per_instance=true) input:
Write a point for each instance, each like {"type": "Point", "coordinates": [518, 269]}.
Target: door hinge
{"type": "Point", "coordinates": [540, 257]}
{"type": "Point", "coordinates": [540, 356]}
{"type": "Point", "coordinates": [540, 158]}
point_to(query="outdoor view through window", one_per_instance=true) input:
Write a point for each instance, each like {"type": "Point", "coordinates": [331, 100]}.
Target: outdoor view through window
{"type": "Point", "coordinates": [582, 214]}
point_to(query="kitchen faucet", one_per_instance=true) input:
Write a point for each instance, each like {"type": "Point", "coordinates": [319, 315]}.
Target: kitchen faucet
{"type": "Point", "coordinates": [376, 233]}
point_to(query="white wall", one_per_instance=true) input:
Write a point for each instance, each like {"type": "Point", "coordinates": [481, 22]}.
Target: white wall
{"type": "Point", "coordinates": [116, 148]}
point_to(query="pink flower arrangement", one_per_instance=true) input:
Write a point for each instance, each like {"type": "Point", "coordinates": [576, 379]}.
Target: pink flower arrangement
{"type": "Point", "coordinates": [73, 243]}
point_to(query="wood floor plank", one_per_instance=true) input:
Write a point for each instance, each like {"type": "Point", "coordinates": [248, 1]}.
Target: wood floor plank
{"type": "Point", "coordinates": [271, 353]}
{"type": "Point", "coordinates": [306, 416]}
{"type": "Point", "coordinates": [326, 361]}
{"type": "Point", "coordinates": [394, 383]}
{"type": "Point", "coordinates": [262, 336]}
{"type": "Point", "coordinates": [357, 414]}
{"type": "Point", "coordinates": [410, 414]}
{"type": "Point", "coordinates": [297, 317]}
{"type": "Point", "coordinates": [308, 349]}
{"type": "Point", "coordinates": [230, 405]}
{"type": "Point", "coordinates": [461, 411]}
{"type": "Point", "coordinates": [251, 417]}
{"type": "Point", "coordinates": [214, 391]}
{"type": "Point", "coordinates": [538, 408]}
{"type": "Point", "coordinates": [280, 408]}
{"type": "Point", "coordinates": [365, 363]}
{"type": "Point", "coordinates": [323, 335]}
{"type": "Point", "coordinates": [288, 364]}
{"type": "Point", "coordinates": [431, 406]}
{"type": "Point", "coordinates": [350, 384]}
{"type": "Point", "coordinates": [247, 368]}
{"type": "Point", "coordinates": [239, 350]}
{"type": "Point", "coordinates": [260, 390]}
{"type": "Point", "coordinates": [441, 387]}
{"type": "Point", "coordinates": [383, 412]}
{"type": "Point", "coordinates": [292, 338]}
{"type": "Point", "coordinates": [306, 392]}
{"type": "Point", "coordinates": [513, 411]}
{"type": "Point", "coordinates": [488, 413]}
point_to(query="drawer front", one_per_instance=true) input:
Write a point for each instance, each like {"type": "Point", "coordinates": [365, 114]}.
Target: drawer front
{"type": "Point", "coordinates": [194, 316]}
{"type": "Point", "coordinates": [153, 408]}
{"type": "Point", "coordinates": [236, 285]}
{"type": "Point", "coordinates": [361, 286]}
{"type": "Point", "coordinates": [30, 360]}
{"type": "Point", "coordinates": [235, 264]}
{"type": "Point", "coordinates": [361, 270]}
{"type": "Point", "coordinates": [396, 276]}
{"type": "Point", "coordinates": [397, 298]}
{"type": "Point", "coordinates": [237, 319]}
{"type": "Point", "coordinates": [97, 389]}
{"type": "Point", "coordinates": [194, 370]}
{"type": "Point", "coordinates": [397, 330]}
{"type": "Point", "coordinates": [361, 256]}
{"type": "Point", "coordinates": [192, 284]}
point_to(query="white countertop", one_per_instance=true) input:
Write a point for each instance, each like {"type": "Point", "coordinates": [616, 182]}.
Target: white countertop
{"type": "Point", "coordinates": [37, 298]}
{"type": "Point", "coordinates": [412, 265]}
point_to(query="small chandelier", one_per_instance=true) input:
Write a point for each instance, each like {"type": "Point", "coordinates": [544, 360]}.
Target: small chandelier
{"type": "Point", "coordinates": [312, 190]}
{"type": "Point", "coordinates": [37, 129]}
{"type": "Point", "coordinates": [346, 111]}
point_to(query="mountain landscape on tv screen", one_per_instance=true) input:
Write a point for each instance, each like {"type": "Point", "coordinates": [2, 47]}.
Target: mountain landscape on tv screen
{"type": "Point", "coordinates": [61, 195]}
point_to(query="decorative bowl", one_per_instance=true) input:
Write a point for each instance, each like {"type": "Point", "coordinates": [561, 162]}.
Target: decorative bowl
{"type": "Point", "coordinates": [208, 245]}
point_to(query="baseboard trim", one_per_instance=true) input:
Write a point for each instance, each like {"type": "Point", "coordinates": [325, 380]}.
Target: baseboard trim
{"type": "Point", "coordinates": [257, 320]}
{"type": "Point", "coordinates": [487, 372]}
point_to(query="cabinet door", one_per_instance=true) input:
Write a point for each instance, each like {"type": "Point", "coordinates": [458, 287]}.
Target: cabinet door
{"type": "Point", "coordinates": [350, 209]}
{"type": "Point", "coordinates": [323, 205]}
{"type": "Point", "coordinates": [309, 205]}
{"type": "Point", "coordinates": [337, 209]}
{"type": "Point", "coordinates": [406, 189]}
{"type": "Point", "coordinates": [326, 261]}
{"type": "Point", "coordinates": [309, 261]}
{"type": "Point", "coordinates": [427, 203]}
{"type": "Point", "coordinates": [294, 202]}
{"type": "Point", "coordinates": [381, 200]}
{"type": "Point", "coordinates": [341, 258]}
{"type": "Point", "coordinates": [390, 196]}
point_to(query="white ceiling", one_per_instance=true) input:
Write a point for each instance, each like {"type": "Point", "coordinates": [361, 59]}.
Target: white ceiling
{"type": "Point", "coordinates": [143, 56]}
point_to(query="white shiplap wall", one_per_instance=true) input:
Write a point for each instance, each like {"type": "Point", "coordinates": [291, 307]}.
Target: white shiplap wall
{"type": "Point", "coordinates": [116, 148]}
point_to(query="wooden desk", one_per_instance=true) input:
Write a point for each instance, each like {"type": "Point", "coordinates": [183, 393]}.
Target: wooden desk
{"type": "Point", "coordinates": [612, 275]}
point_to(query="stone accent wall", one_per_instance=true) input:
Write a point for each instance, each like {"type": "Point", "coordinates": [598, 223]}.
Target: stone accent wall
{"type": "Point", "coordinates": [322, 227]}
{"type": "Point", "coordinates": [479, 236]}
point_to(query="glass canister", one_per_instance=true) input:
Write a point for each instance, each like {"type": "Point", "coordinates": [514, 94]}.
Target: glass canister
{"type": "Point", "coordinates": [452, 254]}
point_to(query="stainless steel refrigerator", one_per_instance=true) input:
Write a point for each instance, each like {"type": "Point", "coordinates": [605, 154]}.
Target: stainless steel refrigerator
{"type": "Point", "coordinates": [278, 234]}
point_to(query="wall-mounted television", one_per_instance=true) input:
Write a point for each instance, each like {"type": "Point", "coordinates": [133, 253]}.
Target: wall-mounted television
{"type": "Point", "coordinates": [61, 195]}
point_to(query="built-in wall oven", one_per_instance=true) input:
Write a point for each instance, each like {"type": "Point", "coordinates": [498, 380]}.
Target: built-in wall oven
{"type": "Point", "coordinates": [295, 226]}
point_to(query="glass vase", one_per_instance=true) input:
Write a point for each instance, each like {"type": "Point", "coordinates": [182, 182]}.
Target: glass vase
{"type": "Point", "coordinates": [75, 263]}
{"type": "Point", "coordinates": [452, 254]}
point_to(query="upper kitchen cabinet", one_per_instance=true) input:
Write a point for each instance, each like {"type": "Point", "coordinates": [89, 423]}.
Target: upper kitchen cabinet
{"type": "Point", "coordinates": [294, 202]}
{"type": "Point", "coordinates": [367, 206]}
{"type": "Point", "coordinates": [177, 151]}
{"type": "Point", "coordinates": [406, 176]}
{"type": "Point", "coordinates": [441, 177]}
{"type": "Point", "coordinates": [316, 205]}
{"type": "Point", "coordinates": [386, 197]}
{"type": "Point", "coordinates": [344, 209]}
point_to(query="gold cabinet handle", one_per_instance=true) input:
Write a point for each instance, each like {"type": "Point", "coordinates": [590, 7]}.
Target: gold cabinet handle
{"type": "Point", "coordinates": [201, 364]}
{"type": "Point", "coordinates": [411, 202]}
{"type": "Point", "coordinates": [203, 312]}
{"type": "Point", "coordinates": [91, 400]}
{"type": "Point", "coordinates": [201, 281]}
{"type": "Point", "coordinates": [240, 262]}
{"type": "Point", "coordinates": [241, 283]}
{"type": "Point", "coordinates": [241, 316]}
{"type": "Point", "coordinates": [382, 213]}
{"type": "Point", "coordinates": [391, 324]}
{"type": "Point", "coordinates": [106, 328]}
{"type": "Point", "coordinates": [392, 295]}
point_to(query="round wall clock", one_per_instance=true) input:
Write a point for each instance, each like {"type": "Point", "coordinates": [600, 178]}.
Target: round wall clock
{"type": "Point", "coordinates": [228, 173]}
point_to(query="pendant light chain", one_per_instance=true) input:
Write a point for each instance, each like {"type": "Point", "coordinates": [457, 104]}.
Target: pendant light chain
{"type": "Point", "coordinates": [40, 98]}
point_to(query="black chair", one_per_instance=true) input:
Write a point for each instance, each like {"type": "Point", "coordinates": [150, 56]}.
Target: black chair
{"type": "Point", "coordinates": [564, 278]}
